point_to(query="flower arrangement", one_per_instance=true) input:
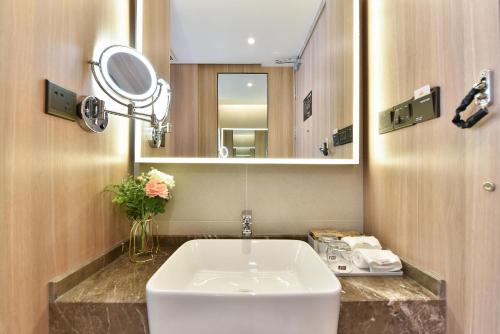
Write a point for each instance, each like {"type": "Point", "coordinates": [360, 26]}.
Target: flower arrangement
{"type": "Point", "coordinates": [142, 198]}
{"type": "Point", "coordinates": [145, 196]}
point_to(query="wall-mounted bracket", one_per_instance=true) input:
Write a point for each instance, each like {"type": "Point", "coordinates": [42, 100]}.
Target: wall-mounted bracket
{"type": "Point", "coordinates": [485, 98]}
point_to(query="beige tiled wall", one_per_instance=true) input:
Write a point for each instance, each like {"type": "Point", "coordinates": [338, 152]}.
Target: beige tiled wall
{"type": "Point", "coordinates": [208, 199]}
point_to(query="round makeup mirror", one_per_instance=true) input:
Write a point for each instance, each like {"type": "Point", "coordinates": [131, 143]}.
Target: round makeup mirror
{"type": "Point", "coordinates": [128, 73]}
{"type": "Point", "coordinates": [125, 72]}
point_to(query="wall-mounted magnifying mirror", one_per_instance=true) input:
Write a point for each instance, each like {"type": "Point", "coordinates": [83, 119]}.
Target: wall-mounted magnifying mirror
{"type": "Point", "coordinates": [128, 73]}
{"type": "Point", "coordinates": [262, 84]}
{"type": "Point", "coordinates": [129, 79]}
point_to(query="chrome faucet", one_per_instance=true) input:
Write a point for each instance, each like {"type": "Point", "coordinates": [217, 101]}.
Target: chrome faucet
{"type": "Point", "coordinates": [246, 222]}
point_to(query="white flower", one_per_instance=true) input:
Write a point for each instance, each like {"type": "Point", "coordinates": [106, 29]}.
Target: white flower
{"type": "Point", "coordinates": [155, 174]}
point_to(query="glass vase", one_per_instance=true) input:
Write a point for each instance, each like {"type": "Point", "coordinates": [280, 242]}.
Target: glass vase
{"type": "Point", "coordinates": [144, 242]}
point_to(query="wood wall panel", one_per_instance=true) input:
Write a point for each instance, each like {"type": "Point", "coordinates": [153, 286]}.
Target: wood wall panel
{"type": "Point", "coordinates": [341, 49]}
{"type": "Point", "coordinates": [207, 109]}
{"type": "Point", "coordinates": [314, 75]}
{"type": "Point", "coordinates": [155, 46]}
{"type": "Point", "coordinates": [326, 70]}
{"type": "Point", "coordinates": [280, 120]}
{"type": "Point", "coordinates": [53, 212]}
{"type": "Point", "coordinates": [201, 88]}
{"type": "Point", "coordinates": [156, 35]}
{"type": "Point", "coordinates": [482, 33]}
{"type": "Point", "coordinates": [423, 194]}
{"type": "Point", "coordinates": [183, 141]}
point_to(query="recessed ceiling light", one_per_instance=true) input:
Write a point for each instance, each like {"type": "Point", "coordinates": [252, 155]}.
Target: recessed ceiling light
{"type": "Point", "coordinates": [251, 41]}
{"type": "Point", "coordinates": [249, 84]}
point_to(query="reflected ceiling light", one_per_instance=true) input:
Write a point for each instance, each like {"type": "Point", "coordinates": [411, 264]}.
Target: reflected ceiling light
{"type": "Point", "coordinates": [249, 84]}
{"type": "Point", "coordinates": [251, 40]}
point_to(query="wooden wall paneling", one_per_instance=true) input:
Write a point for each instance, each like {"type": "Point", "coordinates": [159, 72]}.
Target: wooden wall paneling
{"type": "Point", "coordinates": [326, 70]}
{"type": "Point", "coordinates": [54, 214]}
{"type": "Point", "coordinates": [156, 35]}
{"type": "Point", "coordinates": [207, 108]}
{"type": "Point", "coordinates": [183, 142]}
{"type": "Point", "coordinates": [423, 195]}
{"type": "Point", "coordinates": [316, 75]}
{"type": "Point", "coordinates": [482, 35]}
{"type": "Point", "coordinates": [280, 112]}
{"type": "Point", "coordinates": [411, 198]}
{"type": "Point", "coordinates": [155, 46]}
{"type": "Point", "coordinates": [340, 39]}
{"type": "Point", "coordinates": [260, 144]}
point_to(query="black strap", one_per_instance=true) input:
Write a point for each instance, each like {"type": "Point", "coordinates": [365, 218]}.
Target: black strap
{"type": "Point", "coordinates": [476, 117]}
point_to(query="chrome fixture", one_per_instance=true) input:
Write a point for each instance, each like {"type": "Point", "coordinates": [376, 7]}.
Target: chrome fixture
{"type": "Point", "coordinates": [246, 219]}
{"type": "Point", "coordinates": [292, 60]}
{"type": "Point", "coordinates": [485, 98]}
{"type": "Point", "coordinates": [489, 186]}
{"type": "Point", "coordinates": [131, 77]}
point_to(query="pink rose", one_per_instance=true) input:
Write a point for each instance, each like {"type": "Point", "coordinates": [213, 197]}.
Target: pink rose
{"type": "Point", "coordinates": [156, 188]}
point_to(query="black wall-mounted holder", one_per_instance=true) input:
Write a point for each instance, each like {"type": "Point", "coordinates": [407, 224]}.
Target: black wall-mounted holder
{"type": "Point", "coordinates": [411, 112]}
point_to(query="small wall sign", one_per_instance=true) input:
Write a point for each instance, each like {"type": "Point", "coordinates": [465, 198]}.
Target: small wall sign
{"type": "Point", "coordinates": [308, 106]}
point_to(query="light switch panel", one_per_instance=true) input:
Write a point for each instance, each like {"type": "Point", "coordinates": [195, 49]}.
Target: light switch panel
{"type": "Point", "coordinates": [386, 121]}
{"type": "Point", "coordinates": [403, 115]}
{"type": "Point", "coordinates": [427, 107]}
{"type": "Point", "coordinates": [59, 101]}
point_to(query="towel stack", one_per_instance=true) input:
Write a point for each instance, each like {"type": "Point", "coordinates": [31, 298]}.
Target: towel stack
{"type": "Point", "coordinates": [368, 254]}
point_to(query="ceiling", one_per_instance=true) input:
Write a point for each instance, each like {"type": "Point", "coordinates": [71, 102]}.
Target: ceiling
{"type": "Point", "coordinates": [242, 88]}
{"type": "Point", "coordinates": [216, 31]}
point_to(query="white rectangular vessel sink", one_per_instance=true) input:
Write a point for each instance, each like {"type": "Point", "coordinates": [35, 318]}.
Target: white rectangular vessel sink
{"type": "Point", "coordinates": [243, 287]}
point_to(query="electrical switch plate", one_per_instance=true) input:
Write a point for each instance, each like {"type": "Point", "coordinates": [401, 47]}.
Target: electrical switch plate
{"type": "Point", "coordinates": [386, 121]}
{"type": "Point", "coordinates": [343, 136]}
{"type": "Point", "coordinates": [59, 101]}
{"type": "Point", "coordinates": [403, 115]}
{"type": "Point", "coordinates": [427, 107]}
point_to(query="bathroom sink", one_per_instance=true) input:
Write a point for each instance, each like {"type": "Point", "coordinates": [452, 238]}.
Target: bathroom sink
{"type": "Point", "coordinates": [243, 287]}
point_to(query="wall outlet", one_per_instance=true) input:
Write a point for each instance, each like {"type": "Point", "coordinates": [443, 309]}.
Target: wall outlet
{"type": "Point", "coordinates": [59, 101]}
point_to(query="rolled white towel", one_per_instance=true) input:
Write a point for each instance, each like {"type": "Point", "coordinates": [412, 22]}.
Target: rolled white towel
{"type": "Point", "coordinates": [376, 260]}
{"type": "Point", "coordinates": [358, 260]}
{"type": "Point", "coordinates": [362, 242]}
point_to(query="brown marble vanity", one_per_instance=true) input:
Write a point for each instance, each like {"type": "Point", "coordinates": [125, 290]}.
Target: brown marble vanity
{"type": "Point", "coordinates": [112, 300]}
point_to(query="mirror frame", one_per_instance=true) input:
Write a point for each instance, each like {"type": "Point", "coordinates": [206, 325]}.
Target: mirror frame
{"type": "Point", "coordinates": [103, 67]}
{"type": "Point", "coordinates": [355, 160]}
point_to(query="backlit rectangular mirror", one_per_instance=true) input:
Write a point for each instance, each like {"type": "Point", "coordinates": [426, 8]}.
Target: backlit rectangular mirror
{"type": "Point", "coordinates": [267, 82]}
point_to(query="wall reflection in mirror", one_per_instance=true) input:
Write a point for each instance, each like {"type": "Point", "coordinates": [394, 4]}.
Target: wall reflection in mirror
{"type": "Point", "coordinates": [242, 115]}
{"type": "Point", "coordinates": [245, 87]}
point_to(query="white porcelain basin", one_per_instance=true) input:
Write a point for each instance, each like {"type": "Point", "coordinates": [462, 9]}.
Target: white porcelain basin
{"type": "Point", "coordinates": [243, 287]}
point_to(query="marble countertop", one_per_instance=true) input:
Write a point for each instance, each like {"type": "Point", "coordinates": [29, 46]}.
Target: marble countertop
{"type": "Point", "coordinates": [112, 300]}
{"type": "Point", "coordinates": [124, 282]}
